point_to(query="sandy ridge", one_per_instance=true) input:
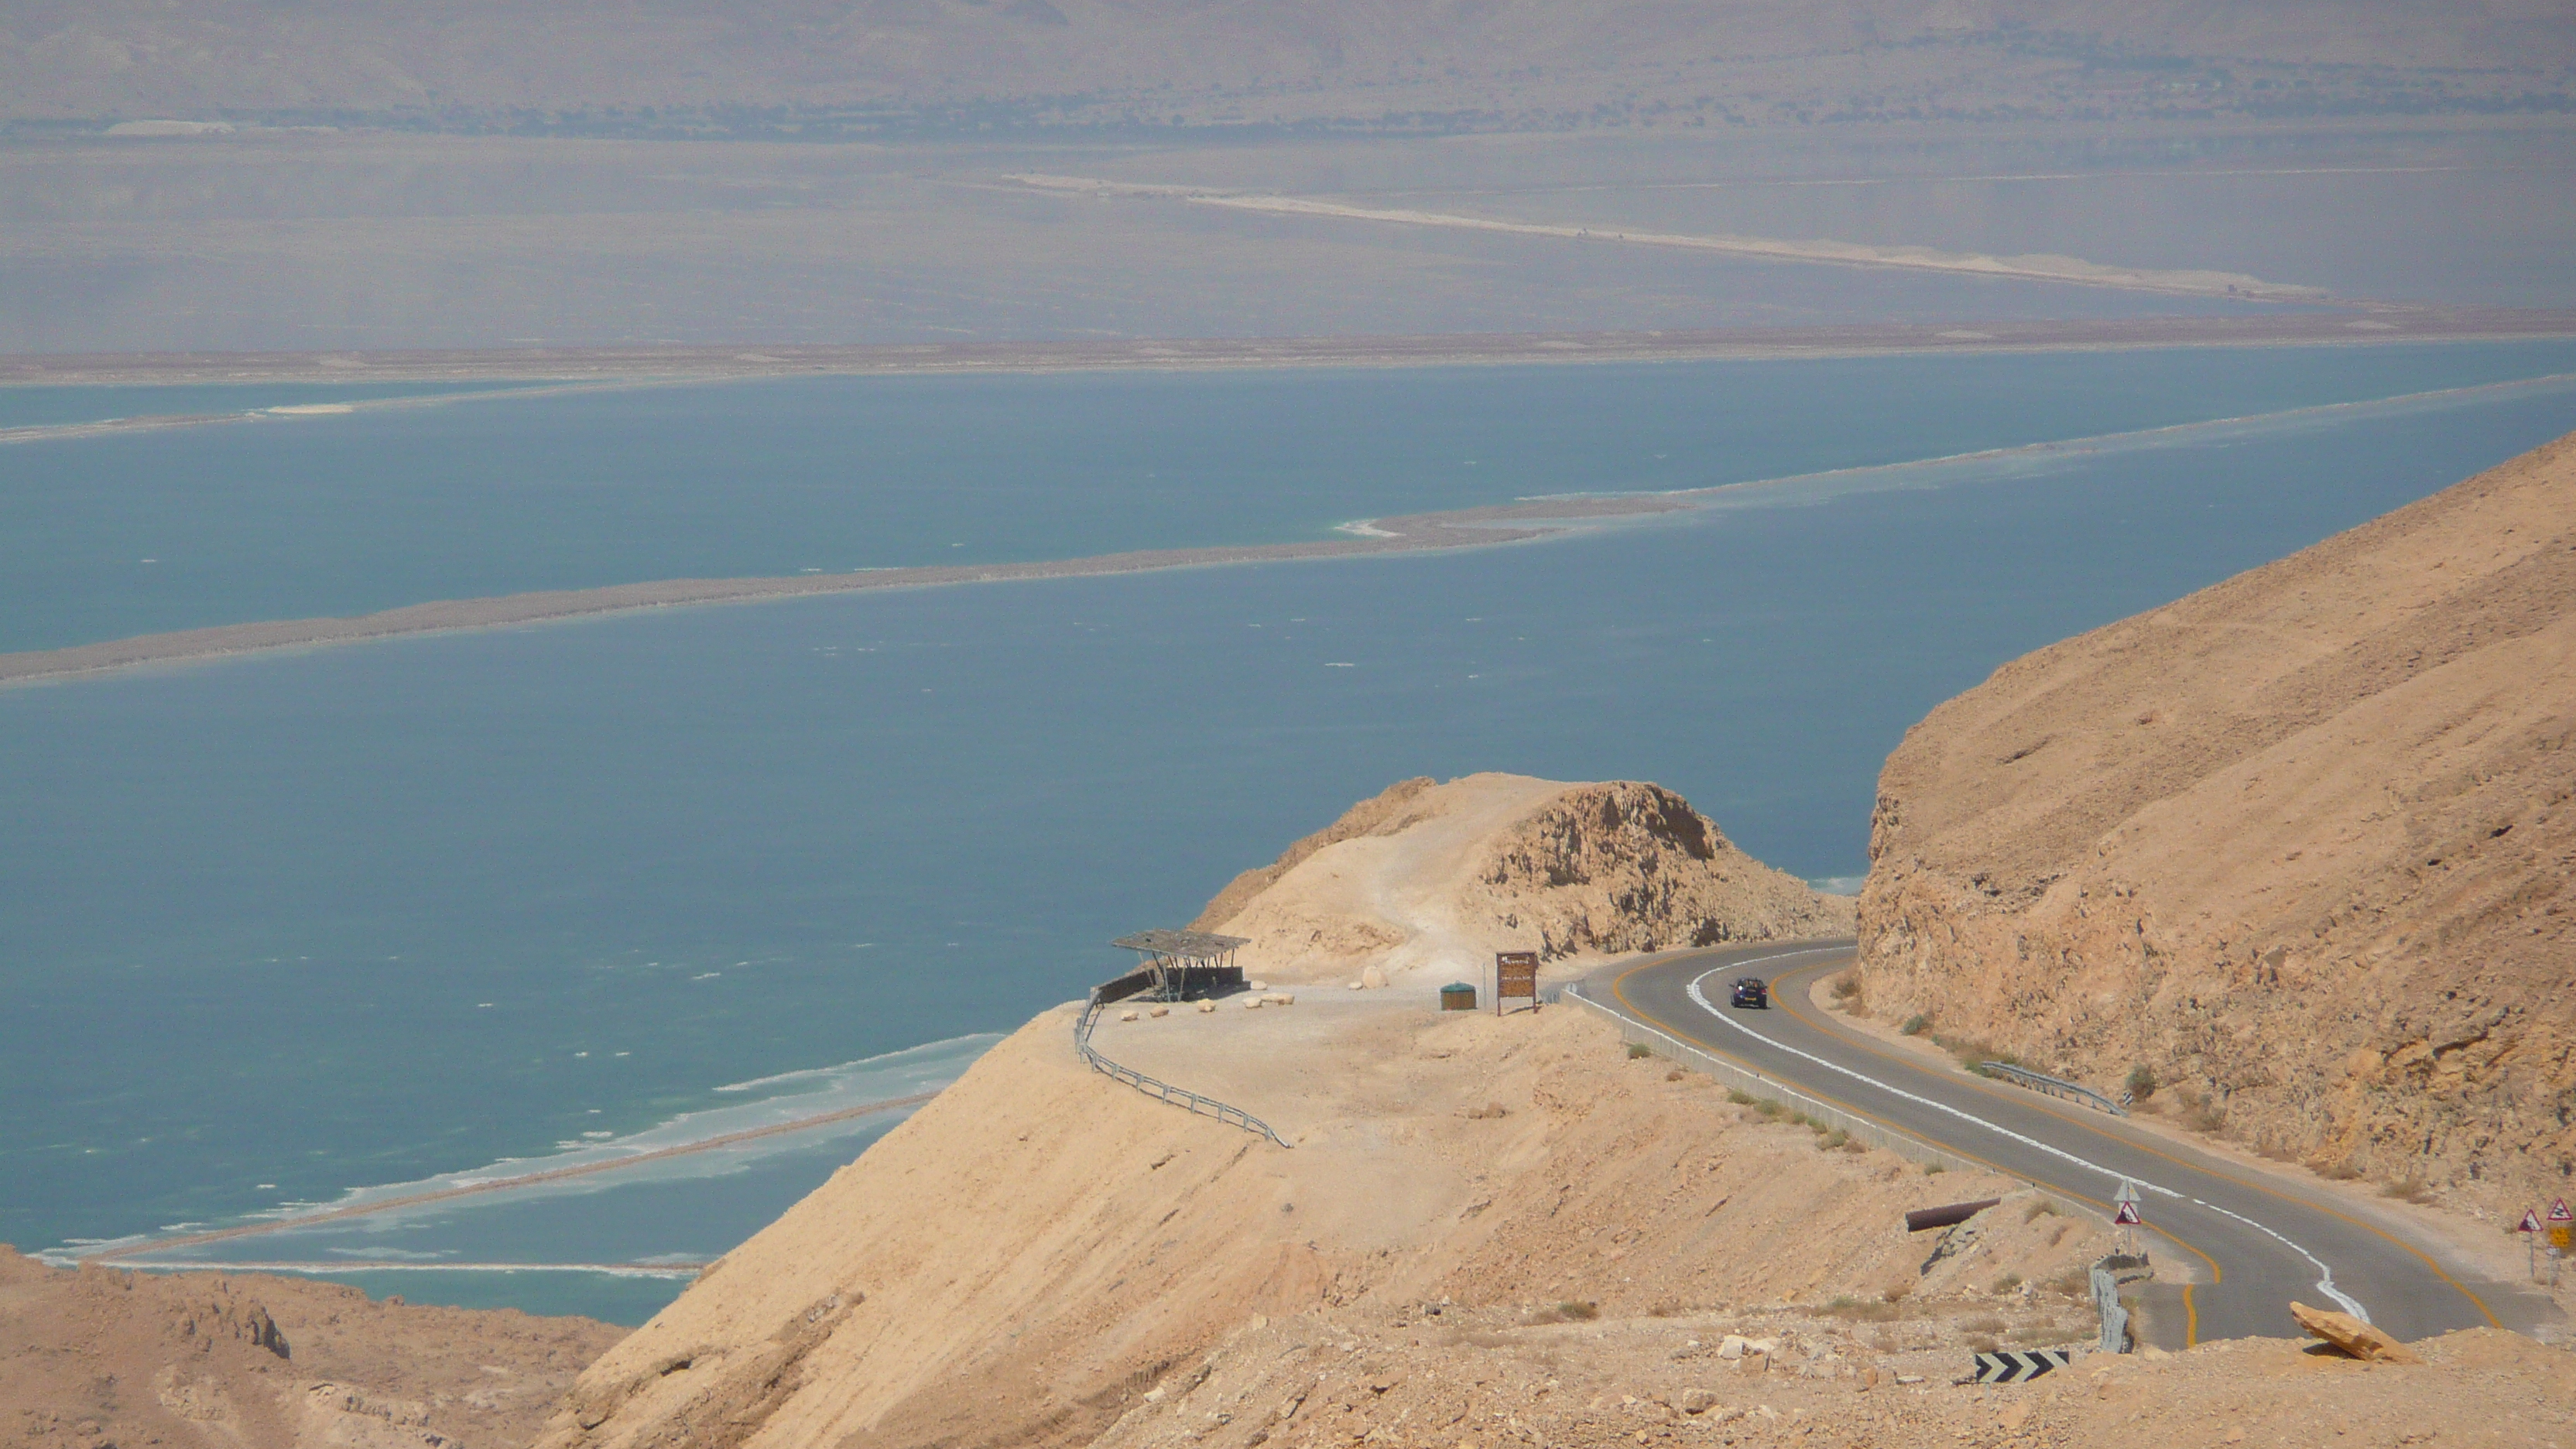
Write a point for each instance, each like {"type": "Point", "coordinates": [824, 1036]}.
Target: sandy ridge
{"type": "Point", "coordinates": [2386, 323]}
{"type": "Point", "coordinates": [296, 412]}
{"type": "Point", "coordinates": [2234, 286]}
{"type": "Point", "coordinates": [1482, 526]}
{"type": "Point", "coordinates": [1463, 528]}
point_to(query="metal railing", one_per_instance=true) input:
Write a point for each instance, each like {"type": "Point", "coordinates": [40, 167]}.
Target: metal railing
{"type": "Point", "coordinates": [2107, 1277]}
{"type": "Point", "coordinates": [1752, 1083]}
{"type": "Point", "coordinates": [1180, 1097]}
{"type": "Point", "coordinates": [2053, 1086]}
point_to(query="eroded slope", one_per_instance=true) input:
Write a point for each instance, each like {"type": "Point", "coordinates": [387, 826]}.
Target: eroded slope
{"type": "Point", "coordinates": [1027, 1257]}
{"type": "Point", "coordinates": [2297, 846]}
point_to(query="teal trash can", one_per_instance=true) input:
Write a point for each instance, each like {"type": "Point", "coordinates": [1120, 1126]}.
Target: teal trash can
{"type": "Point", "coordinates": [1457, 996]}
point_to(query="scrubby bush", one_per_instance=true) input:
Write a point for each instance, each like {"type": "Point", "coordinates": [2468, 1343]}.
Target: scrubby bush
{"type": "Point", "coordinates": [2199, 1113]}
{"type": "Point", "coordinates": [1848, 993]}
{"type": "Point", "coordinates": [1917, 1024]}
{"type": "Point", "coordinates": [1847, 1306]}
{"type": "Point", "coordinates": [1639, 1051]}
{"type": "Point", "coordinates": [1973, 1054]}
{"type": "Point", "coordinates": [2409, 1189]}
{"type": "Point", "coordinates": [2142, 1081]}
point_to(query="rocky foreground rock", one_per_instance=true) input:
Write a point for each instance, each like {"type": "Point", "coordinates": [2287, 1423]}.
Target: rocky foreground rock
{"type": "Point", "coordinates": [2290, 856]}
{"type": "Point", "coordinates": [101, 1357]}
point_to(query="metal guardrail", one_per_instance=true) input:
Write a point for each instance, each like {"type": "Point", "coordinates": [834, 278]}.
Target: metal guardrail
{"type": "Point", "coordinates": [1181, 1097]}
{"type": "Point", "coordinates": [2107, 1277]}
{"type": "Point", "coordinates": [2053, 1086]}
{"type": "Point", "coordinates": [1858, 1129]}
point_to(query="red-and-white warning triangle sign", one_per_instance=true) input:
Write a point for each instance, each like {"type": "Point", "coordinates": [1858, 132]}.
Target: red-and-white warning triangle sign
{"type": "Point", "coordinates": [2558, 1212]}
{"type": "Point", "coordinates": [2530, 1221]}
{"type": "Point", "coordinates": [2126, 1214]}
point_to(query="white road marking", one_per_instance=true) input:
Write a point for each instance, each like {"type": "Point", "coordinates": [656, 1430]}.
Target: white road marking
{"type": "Point", "coordinates": [2325, 1278]}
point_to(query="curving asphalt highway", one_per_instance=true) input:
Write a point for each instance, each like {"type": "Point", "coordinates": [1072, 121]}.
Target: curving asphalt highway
{"type": "Point", "coordinates": [2249, 1241]}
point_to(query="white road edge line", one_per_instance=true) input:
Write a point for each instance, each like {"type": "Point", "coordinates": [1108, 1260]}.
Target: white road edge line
{"type": "Point", "coordinates": [2325, 1279]}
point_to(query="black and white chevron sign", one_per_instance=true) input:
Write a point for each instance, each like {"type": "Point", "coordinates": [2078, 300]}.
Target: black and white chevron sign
{"type": "Point", "coordinates": [2015, 1366]}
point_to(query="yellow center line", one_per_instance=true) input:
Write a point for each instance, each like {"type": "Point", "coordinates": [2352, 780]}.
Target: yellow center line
{"type": "Point", "coordinates": [2191, 1311]}
{"type": "Point", "coordinates": [2040, 1104]}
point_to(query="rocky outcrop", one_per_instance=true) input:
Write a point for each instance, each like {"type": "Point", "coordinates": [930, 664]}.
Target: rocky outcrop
{"type": "Point", "coordinates": [1438, 877]}
{"type": "Point", "coordinates": [103, 1356]}
{"type": "Point", "coordinates": [230, 1318]}
{"type": "Point", "coordinates": [1604, 869]}
{"type": "Point", "coordinates": [2296, 850]}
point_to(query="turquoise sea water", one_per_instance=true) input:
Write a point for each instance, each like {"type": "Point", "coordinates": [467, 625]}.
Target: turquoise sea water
{"type": "Point", "coordinates": [251, 912]}
{"type": "Point", "coordinates": [106, 537]}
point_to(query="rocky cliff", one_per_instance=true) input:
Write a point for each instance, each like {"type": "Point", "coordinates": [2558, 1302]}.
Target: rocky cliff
{"type": "Point", "coordinates": [2296, 849]}
{"type": "Point", "coordinates": [1440, 876]}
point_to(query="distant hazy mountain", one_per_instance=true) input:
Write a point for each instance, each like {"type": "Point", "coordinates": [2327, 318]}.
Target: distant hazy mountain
{"type": "Point", "coordinates": [969, 65]}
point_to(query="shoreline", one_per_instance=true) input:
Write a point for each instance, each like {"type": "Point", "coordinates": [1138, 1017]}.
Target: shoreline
{"type": "Point", "coordinates": [305, 1268]}
{"type": "Point", "coordinates": [2379, 323]}
{"type": "Point", "coordinates": [1459, 528]}
{"type": "Point", "coordinates": [128, 1252]}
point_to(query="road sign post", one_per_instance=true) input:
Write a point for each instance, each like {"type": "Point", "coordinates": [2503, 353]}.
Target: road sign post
{"type": "Point", "coordinates": [2126, 1217]}
{"type": "Point", "coordinates": [2530, 1230]}
{"type": "Point", "coordinates": [1515, 976]}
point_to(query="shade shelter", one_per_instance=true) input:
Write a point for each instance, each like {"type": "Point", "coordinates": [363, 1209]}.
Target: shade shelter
{"type": "Point", "coordinates": [1176, 964]}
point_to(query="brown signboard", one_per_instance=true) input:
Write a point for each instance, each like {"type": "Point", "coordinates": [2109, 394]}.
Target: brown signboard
{"type": "Point", "coordinates": [1515, 977]}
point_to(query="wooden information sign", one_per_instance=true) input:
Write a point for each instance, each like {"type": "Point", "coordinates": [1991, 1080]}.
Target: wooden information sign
{"type": "Point", "coordinates": [1515, 977]}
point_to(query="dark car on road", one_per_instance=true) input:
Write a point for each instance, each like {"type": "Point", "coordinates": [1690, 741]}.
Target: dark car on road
{"type": "Point", "coordinates": [1749, 991]}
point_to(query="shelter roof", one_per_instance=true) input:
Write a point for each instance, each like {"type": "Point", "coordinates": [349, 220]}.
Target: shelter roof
{"type": "Point", "coordinates": [1190, 945]}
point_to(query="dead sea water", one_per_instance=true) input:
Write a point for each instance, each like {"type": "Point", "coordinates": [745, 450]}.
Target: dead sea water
{"type": "Point", "coordinates": [281, 927]}
{"type": "Point", "coordinates": [104, 537]}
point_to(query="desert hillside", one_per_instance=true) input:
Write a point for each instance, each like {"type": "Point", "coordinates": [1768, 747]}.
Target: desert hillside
{"type": "Point", "coordinates": [2298, 846]}
{"type": "Point", "coordinates": [1429, 880]}
{"type": "Point", "coordinates": [1480, 1230]}
{"type": "Point", "coordinates": [1042, 1253]}
{"type": "Point", "coordinates": [101, 1357]}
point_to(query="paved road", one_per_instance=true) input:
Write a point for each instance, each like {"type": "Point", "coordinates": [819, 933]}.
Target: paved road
{"type": "Point", "coordinates": [2254, 1242]}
